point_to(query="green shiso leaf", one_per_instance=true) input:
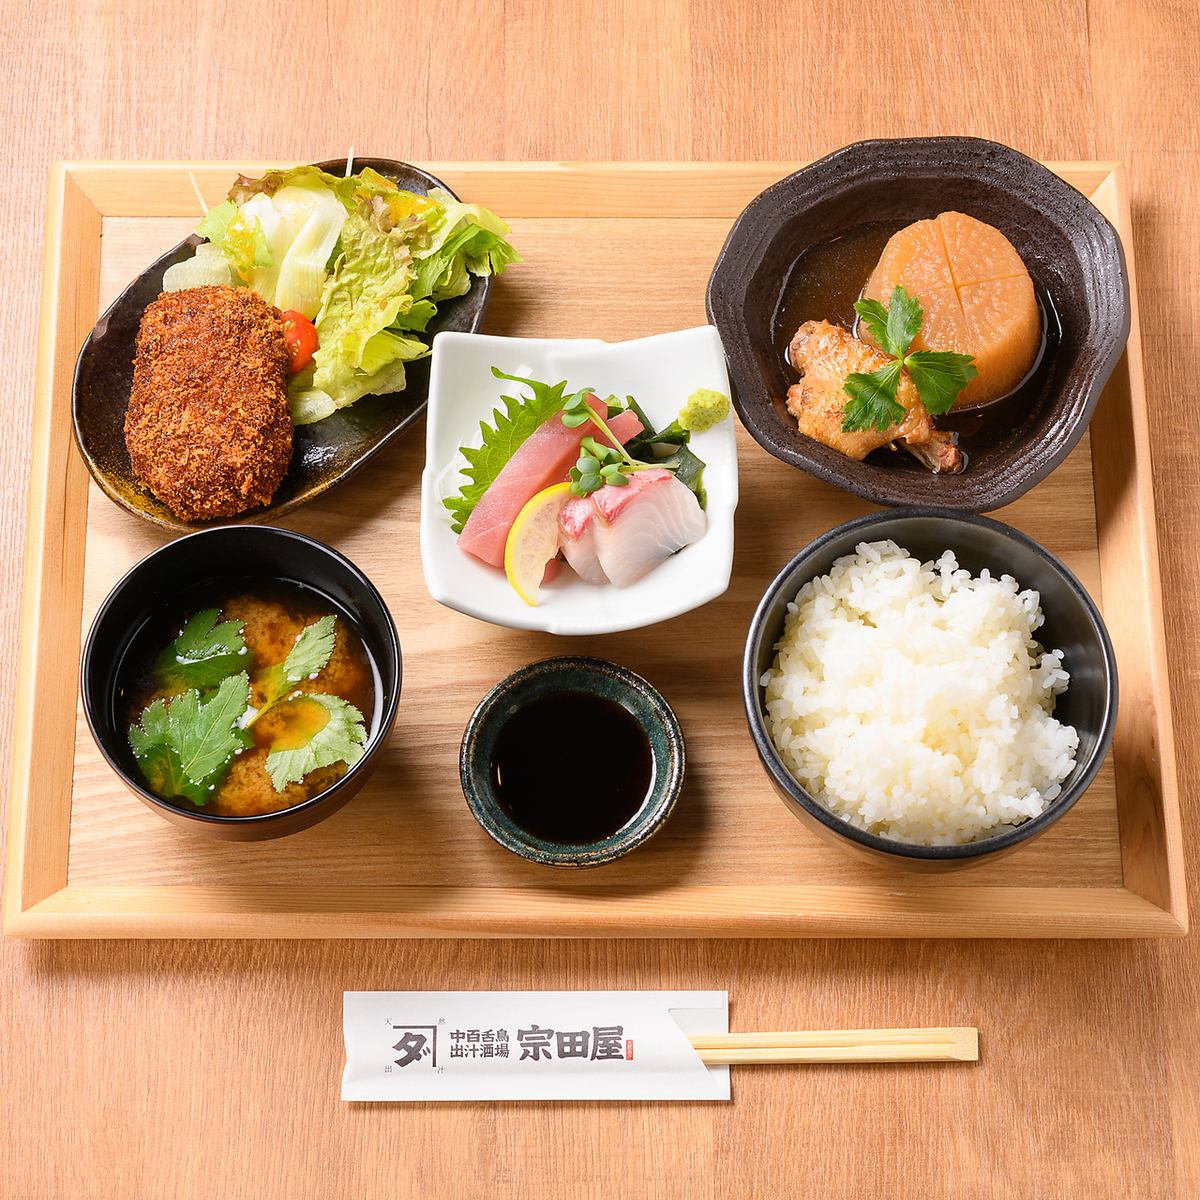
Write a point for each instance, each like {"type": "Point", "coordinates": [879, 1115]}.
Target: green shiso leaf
{"type": "Point", "coordinates": [512, 425]}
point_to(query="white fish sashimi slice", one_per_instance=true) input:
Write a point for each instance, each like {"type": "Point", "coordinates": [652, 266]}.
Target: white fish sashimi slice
{"type": "Point", "coordinates": [641, 524]}
{"type": "Point", "coordinates": [577, 536]}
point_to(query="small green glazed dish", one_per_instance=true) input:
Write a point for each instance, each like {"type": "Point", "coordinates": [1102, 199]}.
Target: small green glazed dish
{"type": "Point", "coordinates": [587, 677]}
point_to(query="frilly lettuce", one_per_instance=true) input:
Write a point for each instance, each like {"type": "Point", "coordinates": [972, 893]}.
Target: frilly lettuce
{"type": "Point", "coordinates": [367, 291]}
{"type": "Point", "coordinates": [240, 238]}
{"type": "Point", "coordinates": [206, 267]}
{"type": "Point", "coordinates": [366, 260]}
{"type": "Point", "coordinates": [467, 240]}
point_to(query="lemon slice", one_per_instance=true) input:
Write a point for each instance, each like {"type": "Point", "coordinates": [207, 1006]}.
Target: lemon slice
{"type": "Point", "coordinates": [533, 542]}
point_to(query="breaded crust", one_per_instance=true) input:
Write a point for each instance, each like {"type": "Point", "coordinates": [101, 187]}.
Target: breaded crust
{"type": "Point", "coordinates": [208, 427]}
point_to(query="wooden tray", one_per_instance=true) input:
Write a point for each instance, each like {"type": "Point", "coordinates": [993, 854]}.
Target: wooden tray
{"type": "Point", "coordinates": [614, 251]}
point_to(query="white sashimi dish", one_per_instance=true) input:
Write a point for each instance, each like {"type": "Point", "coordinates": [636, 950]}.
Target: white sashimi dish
{"type": "Point", "coordinates": [547, 504]}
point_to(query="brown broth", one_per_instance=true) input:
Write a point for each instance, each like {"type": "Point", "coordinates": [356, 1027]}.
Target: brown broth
{"type": "Point", "coordinates": [572, 768]}
{"type": "Point", "coordinates": [273, 615]}
{"type": "Point", "coordinates": [826, 280]}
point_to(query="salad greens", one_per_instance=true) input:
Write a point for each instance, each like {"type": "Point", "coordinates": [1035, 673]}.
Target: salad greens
{"type": "Point", "coordinates": [185, 743]}
{"type": "Point", "coordinates": [362, 259]}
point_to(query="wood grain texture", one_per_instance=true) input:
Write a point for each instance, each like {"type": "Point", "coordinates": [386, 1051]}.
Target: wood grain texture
{"type": "Point", "coordinates": [733, 861]}
{"type": "Point", "coordinates": [118, 1053]}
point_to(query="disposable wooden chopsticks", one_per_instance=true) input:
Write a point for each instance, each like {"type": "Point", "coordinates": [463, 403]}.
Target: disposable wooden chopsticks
{"type": "Point", "coordinates": [840, 1046]}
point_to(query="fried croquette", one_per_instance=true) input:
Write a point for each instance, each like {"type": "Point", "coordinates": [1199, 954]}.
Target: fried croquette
{"type": "Point", "coordinates": [208, 426]}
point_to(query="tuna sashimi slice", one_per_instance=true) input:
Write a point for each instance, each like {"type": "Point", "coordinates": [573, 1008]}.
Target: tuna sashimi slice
{"type": "Point", "coordinates": [543, 459]}
{"type": "Point", "coordinates": [641, 524]}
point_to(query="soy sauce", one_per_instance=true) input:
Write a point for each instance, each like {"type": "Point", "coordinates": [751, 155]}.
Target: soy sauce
{"type": "Point", "coordinates": [572, 768]}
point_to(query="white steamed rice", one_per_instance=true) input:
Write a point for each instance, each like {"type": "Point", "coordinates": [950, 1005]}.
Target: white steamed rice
{"type": "Point", "coordinates": [914, 701]}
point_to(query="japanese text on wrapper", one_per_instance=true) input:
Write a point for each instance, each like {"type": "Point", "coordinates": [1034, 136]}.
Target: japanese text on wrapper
{"type": "Point", "coordinates": [537, 1043]}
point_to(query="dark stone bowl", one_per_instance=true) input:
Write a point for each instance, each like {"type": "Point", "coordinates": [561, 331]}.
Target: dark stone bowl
{"type": "Point", "coordinates": [1073, 255]}
{"type": "Point", "coordinates": [596, 677]}
{"type": "Point", "coordinates": [1072, 625]}
{"type": "Point", "coordinates": [323, 454]}
{"type": "Point", "coordinates": [226, 554]}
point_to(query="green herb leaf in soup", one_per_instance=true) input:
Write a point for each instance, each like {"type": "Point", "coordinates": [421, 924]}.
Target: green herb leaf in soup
{"type": "Point", "coordinates": [308, 657]}
{"type": "Point", "coordinates": [312, 650]}
{"type": "Point", "coordinates": [185, 745]}
{"type": "Point", "coordinates": [322, 730]}
{"type": "Point", "coordinates": [203, 654]}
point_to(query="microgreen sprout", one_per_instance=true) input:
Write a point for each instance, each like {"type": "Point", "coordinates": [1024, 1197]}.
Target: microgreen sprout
{"type": "Point", "coordinates": [598, 464]}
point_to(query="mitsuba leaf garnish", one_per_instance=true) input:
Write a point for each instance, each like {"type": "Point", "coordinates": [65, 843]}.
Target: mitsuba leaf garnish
{"type": "Point", "coordinates": [520, 417]}
{"type": "Point", "coordinates": [938, 375]}
{"type": "Point", "coordinates": [872, 403]}
{"type": "Point", "coordinates": [203, 654]}
{"type": "Point", "coordinates": [308, 657]}
{"type": "Point", "coordinates": [312, 650]}
{"type": "Point", "coordinates": [185, 745]}
{"type": "Point", "coordinates": [340, 739]}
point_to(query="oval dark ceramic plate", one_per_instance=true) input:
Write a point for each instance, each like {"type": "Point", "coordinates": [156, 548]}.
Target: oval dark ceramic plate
{"type": "Point", "coordinates": [226, 554]}
{"type": "Point", "coordinates": [324, 453]}
{"type": "Point", "coordinates": [1072, 625]}
{"type": "Point", "coordinates": [1073, 255]}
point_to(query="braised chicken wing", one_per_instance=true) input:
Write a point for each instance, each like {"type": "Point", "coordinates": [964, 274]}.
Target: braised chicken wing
{"type": "Point", "coordinates": [825, 354]}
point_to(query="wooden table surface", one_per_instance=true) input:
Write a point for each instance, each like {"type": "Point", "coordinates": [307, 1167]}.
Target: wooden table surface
{"type": "Point", "coordinates": [133, 1070]}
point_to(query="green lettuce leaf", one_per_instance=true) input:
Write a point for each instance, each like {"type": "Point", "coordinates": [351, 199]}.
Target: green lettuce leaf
{"type": "Point", "coordinates": [369, 273]}
{"type": "Point", "coordinates": [467, 240]}
{"type": "Point", "coordinates": [367, 292]}
{"type": "Point", "coordinates": [310, 404]}
{"type": "Point", "coordinates": [417, 317]}
{"type": "Point", "coordinates": [241, 239]}
{"type": "Point", "coordinates": [304, 176]}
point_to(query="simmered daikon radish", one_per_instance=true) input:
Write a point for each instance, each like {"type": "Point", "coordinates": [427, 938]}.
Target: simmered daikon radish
{"type": "Point", "coordinates": [977, 296]}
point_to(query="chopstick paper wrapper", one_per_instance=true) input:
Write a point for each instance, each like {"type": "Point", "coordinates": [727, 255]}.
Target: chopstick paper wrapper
{"type": "Point", "coordinates": [589, 1046]}
{"type": "Point", "coordinates": [532, 1045]}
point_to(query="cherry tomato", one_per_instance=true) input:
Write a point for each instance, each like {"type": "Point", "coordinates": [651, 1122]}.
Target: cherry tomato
{"type": "Point", "coordinates": [300, 336]}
